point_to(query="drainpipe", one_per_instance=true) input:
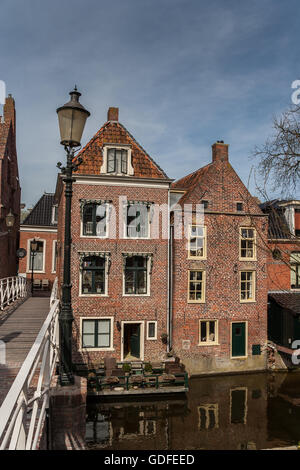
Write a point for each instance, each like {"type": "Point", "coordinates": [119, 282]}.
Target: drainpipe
{"type": "Point", "coordinates": [170, 290]}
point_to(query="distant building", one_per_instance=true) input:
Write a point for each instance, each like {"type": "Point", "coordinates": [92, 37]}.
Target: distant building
{"type": "Point", "coordinates": [41, 224]}
{"type": "Point", "coordinates": [283, 270]}
{"type": "Point", "coordinates": [9, 190]}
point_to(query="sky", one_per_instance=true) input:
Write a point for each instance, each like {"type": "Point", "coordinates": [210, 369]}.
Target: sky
{"type": "Point", "coordinates": [184, 73]}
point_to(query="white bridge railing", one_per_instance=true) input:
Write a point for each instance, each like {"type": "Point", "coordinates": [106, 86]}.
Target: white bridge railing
{"type": "Point", "coordinates": [23, 411]}
{"type": "Point", "coordinates": [11, 289]}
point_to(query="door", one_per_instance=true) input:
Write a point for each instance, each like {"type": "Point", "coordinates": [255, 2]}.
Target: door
{"type": "Point", "coordinates": [135, 340]}
{"type": "Point", "coordinates": [238, 339]}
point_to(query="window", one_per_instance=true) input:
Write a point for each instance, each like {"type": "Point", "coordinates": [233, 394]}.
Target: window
{"type": "Point", "coordinates": [151, 330]}
{"type": "Point", "coordinates": [197, 242]}
{"type": "Point", "coordinates": [247, 286]}
{"type": "Point", "coordinates": [93, 275]}
{"type": "Point", "coordinates": [247, 243]}
{"type": "Point", "coordinates": [295, 270]}
{"type": "Point", "coordinates": [208, 332]}
{"type": "Point", "coordinates": [117, 160]}
{"type": "Point", "coordinates": [38, 258]}
{"type": "Point", "coordinates": [97, 333]}
{"type": "Point", "coordinates": [238, 405]}
{"type": "Point", "coordinates": [239, 206]}
{"type": "Point", "coordinates": [137, 220]}
{"type": "Point", "coordinates": [136, 275]}
{"type": "Point", "coordinates": [54, 214]}
{"type": "Point", "coordinates": [208, 416]}
{"type": "Point", "coordinates": [54, 256]}
{"type": "Point", "coordinates": [196, 286]}
{"type": "Point", "coordinates": [94, 219]}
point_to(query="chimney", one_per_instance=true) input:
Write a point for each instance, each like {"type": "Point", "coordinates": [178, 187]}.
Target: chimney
{"type": "Point", "coordinates": [9, 111]}
{"type": "Point", "coordinates": [113, 114]}
{"type": "Point", "coordinates": [220, 151]}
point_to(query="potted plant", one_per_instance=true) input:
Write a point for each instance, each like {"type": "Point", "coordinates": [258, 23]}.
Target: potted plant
{"type": "Point", "coordinates": [126, 368]}
{"type": "Point", "coordinates": [164, 338]}
{"type": "Point", "coordinates": [148, 368]}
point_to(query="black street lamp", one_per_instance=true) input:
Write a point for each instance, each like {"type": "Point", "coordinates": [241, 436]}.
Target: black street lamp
{"type": "Point", "coordinates": [33, 251]}
{"type": "Point", "coordinates": [71, 117]}
{"type": "Point", "coordinates": [10, 222]}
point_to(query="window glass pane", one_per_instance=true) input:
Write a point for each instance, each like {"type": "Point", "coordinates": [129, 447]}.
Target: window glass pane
{"type": "Point", "coordinates": [103, 326]}
{"type": "Point", "coordinates": [87, 286]}
{"type": "Point", "coordinates": [124, 161]}
{"type": "Point", "coordinates": [99, 282]}
{"type": "Point", "coordinates": [203, 334]}
{"type": "Point", "coordinates": [111, 163]}
{"type": "Point", "coordinates": [103, 341]}
{"type": "Point", "coordinates": [141, 282]}
{"type": "Point", "coordinates": [129, 282]}
{"type": "Point", "coordinates": [151, 330]}
{"type": "Point", "coordinates": [212, 333]}
{"type": "Point", "coordinates": [88, 341]}
{"type": "Point", "coordinates": [88, 326]}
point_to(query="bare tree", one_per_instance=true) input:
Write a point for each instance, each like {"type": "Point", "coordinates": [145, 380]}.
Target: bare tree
{"type": "Point", "coordinates": [280, 155]}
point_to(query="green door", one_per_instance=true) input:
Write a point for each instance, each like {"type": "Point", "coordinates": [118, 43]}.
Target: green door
{"type": "Point", "coordinates": [135, 340]}
{"type": "Point", "coordinates": [238, 342]}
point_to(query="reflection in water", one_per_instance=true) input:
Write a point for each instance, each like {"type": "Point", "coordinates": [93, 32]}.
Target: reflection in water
{"type": "Point", "coordinates": [254, 411]}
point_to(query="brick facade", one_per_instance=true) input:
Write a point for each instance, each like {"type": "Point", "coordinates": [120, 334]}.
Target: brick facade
{"type": "Point", "coordinates": [219, 185]}
{"type": "Point", "coordinates": [10, 190]}
{"type": "Point", "coordinates": [216, 183]}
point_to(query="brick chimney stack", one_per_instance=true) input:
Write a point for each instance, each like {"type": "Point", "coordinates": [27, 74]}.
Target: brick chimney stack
{"type": "Point", "coordinates": [220, 151]}
{"type": "Point", "coordinates": [9, 111]}
{"type": "Point", "coordinates": [113, 114]}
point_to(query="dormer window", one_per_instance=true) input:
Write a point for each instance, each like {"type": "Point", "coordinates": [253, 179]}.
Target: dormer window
{"type": "Point", "coordinates": [117, 160]}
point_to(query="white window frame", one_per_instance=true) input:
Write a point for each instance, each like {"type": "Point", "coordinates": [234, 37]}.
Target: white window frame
{"type": "Point", "coordinates": [80, 294]}
{"type": "Point", "coordinates": [125, 236]}
{"type": "Point", "coordinates": [207, 407]}
{"type": "Point", "coordinates": [253, 258]}
{"type": "Point", "coordinates": [110, 348]}
{"type": "Point", "coordinates": [201, 301]}
{"type": "Point", "coordinates": [28, 270]}
{"type": "Point", "coordinates": [127, 147]}
{"type": "Point", "coordinates": [253, 299]}
{"type": "Point", "coordinates": [107, 224]}
{"type": "Point", "coordinates": [54, 243]}
{"type": "Point", "coordinates": [150, 338]}
{"type": "Point", "coordinates": [148, 279]}
{"type": "Point", "coordinates": [209, 343]}
{"type": "Point", "coordinates": [204, 243]}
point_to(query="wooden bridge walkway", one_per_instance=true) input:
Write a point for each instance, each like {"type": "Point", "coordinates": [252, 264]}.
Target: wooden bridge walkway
{"type": "Point", "coordinates": [19, 331]}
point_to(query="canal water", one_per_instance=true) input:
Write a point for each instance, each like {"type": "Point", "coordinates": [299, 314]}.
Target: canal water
{"type": "Point", "coordinates": [254, 411]}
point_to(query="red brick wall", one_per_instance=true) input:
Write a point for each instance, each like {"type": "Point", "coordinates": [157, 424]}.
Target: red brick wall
{"type": "Point", "coordinates": [222, 188]}
{"type": "Point", "coordinates": [116, 305]}
{"type": "Point", "coordinates": [48, 237]}
{"type": "Point", "coordinates": [9, 191]}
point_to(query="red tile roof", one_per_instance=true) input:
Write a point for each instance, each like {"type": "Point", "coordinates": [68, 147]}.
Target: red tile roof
{"type": "Point", "coordinates": [114, 132]}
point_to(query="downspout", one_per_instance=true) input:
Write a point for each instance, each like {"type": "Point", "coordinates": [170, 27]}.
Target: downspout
{"type": "Point", "coordinates": [170, 313]}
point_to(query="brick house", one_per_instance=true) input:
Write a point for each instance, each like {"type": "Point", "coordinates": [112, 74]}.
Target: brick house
{"type": "Point", "coordinates": [41, 224]}
{"type": "Point", "coordinates": [10, 190]}
{"type": "Point", "coordinates": [283, 271]}
{"type": "Point", "coordinates": [138, 292]}
{"type": "Point", "coordinates": [219, 284]}
{"type": "Point", "coordinates": [118, 268]}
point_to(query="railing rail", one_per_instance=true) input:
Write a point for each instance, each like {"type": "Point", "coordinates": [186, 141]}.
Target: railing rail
{"type": "Point", "coordinates": [11, 289]}
{"type": "Point", "coordinates": [23, 411]}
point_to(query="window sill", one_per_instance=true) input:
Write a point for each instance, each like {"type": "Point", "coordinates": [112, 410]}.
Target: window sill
{"type": "Point", "coordinates": [196, 301]}
{"type": "Point", "coordinates": [137, 238]}
{"type": "Point", "coordinates": [94, 236]}
{"type": "Point", "coordinates": [151, 339]}
{"type": "Point", "coordinates": [93, 295]}
{"type": "Point", "coordinates": [239, 357]}
{"type": "Point", "coordinates": [247, 259]}
{"type": "Point", "coordinates": [197, 258]}
{"type": "Point", "coordinates": [208, 344]}
{"type": "Point", "coordinates": [247, 301]}
{"type": "Point", "coordinates": [96, 349]}
{"type": "Point", "coordinates": [136, 295]}
{"type": "Point", "coordinates": [36, 272]}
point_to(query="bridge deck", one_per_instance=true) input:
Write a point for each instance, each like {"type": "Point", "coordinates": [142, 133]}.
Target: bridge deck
{"type": "Point", "coordinates": [19, 331]}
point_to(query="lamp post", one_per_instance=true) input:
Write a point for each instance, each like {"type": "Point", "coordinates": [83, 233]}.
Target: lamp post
{"type": "Point", "coordinates": [33, 250]}
{"type": "Point", "coordinates": [71, 117]}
